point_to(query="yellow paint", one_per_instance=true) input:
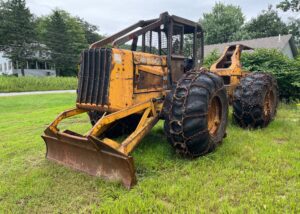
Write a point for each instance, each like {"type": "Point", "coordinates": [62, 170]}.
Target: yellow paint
{"type": "Point", "coordinates": [235, 71]}
{"type": "Point", "coordinates": [121, 86]}
{"type": "Point", "coordinates": [125, 99]}
{"type": "Point", "coordinates": [66, 114]}
{"type": "Point", "coordinates": [147, 121]}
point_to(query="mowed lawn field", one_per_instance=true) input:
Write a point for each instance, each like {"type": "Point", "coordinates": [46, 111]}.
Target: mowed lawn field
{"type": "Point", "coordinates": [252, 171]}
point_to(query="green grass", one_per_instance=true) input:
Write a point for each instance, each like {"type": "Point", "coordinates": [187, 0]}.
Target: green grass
{"type": "Point", "coordinates": [252, 171]}
{"type": "Point", "coordinates": [19, 84]}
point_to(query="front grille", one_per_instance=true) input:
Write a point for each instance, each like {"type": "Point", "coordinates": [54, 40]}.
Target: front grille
{"type": "Point", "coordinates": [94, 76]}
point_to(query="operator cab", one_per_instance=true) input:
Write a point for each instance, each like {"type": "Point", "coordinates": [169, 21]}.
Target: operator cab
{"type": "Point", "coordinates": [179, 39]}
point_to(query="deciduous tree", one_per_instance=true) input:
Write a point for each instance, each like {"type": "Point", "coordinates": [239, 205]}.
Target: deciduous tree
{"type": "Point", "coordinates": [90, 31]}
{"type": "Point", "coordinates": [293, 5]}
{"type": "Point", "coordinates": [266, 24]}
{"type": "Point", "coordinates": [294, 23]}
{"type": "Point", "coordinates": [222, 23]}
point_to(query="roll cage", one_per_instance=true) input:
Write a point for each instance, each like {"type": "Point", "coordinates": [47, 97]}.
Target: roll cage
{"type": "Point", "coordinates": [179, 39]}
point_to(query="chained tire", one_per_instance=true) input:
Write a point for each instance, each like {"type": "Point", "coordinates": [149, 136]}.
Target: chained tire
{"type": "Point", "coordinates": [121, 127]}
{"type": "Point", "coordinates": [255, 100]}
{"type": "Point", "coordinates": [196, 113]}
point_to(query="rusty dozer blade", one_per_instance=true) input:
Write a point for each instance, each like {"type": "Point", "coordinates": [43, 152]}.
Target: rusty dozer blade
{"type": "Point", "coordinates": [99, 157]}
{"type": "Point", "coordinates": [91, 156]}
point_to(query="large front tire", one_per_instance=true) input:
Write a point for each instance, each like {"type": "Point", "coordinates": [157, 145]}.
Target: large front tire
{"type": "Point", "coordinates": [196, 113]}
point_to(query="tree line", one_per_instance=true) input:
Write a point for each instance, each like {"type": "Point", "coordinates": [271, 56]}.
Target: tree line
{"type": "Point", "coordinates": [59, 35]}
{"type": "Point", "coordinates": [63, 36]}
{"type": "Point", "coordinates": [226, 23]}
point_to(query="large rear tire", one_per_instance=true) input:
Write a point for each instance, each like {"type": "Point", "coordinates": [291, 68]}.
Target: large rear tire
{"type": "Point", "coordinates": [255, 100]}
{"type": "Point", "coordinates": [196, 113]}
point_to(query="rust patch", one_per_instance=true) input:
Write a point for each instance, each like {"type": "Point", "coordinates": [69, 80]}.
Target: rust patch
{"type": "Point", "coordinates": [91, 156]}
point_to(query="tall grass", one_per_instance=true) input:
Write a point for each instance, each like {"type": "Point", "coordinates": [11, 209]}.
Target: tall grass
{"type": "Point", "coordinates": [19, 84]}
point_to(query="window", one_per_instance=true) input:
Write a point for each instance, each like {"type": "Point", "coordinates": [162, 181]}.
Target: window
{"type": "Point", "coordinates": [151, 42]}
{"type": "Point", "coordinates": [9, 65]}
{"type": "Point", "coordinates": [5, 66]}
{"type": "Point", "coordinates": [164, 43]}
{"type": "Point", "coordinates": [42, 65]}
{"type": "Point", "coordinates": [0, 67]}
{"type": "Point", "coordinates": [177, 39]}
{"type": "Point", "coordinates": [188, 45]}
{"type": "Point", "coordinates": [126, 46]}
{"type": "Point", "coordinates": [137, 45]}
{"type": "Point", "coordinates": [31, 64]}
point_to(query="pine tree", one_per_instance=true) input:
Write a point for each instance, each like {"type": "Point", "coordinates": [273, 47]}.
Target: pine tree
{"type": "Point", "coordinates": [65, 39]}
{"type": "Point", "coordinates": [57, 40]}
{"type": "Point", "coordinates": [17, 32]}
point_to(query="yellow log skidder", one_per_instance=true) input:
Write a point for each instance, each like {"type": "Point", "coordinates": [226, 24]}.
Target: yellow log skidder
{"type": "Point", "coordinates": [150, 71]}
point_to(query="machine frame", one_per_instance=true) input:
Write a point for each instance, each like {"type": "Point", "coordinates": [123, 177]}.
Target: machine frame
{"type": "Point", "coordinates": [119, 83]}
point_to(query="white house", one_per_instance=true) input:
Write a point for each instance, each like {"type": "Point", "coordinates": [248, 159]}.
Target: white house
{"type": "Point", "coordinates": [37, 66]}
{"type": "Point", "coordinates": [284, 43]}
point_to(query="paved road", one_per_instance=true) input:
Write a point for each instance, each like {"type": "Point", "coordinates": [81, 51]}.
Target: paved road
{"type": "Point", "coordinates": [36, 92]}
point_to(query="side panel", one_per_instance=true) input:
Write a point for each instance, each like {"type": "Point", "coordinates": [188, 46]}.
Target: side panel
{"type": "Point", "coordinates": [177, 64]}
{"type": "Point", "coordinates": [150, 77]}
{"type": "Point", "coordinates": [121, 80]}
{"type": "Point", "coordinates": [135, 77]}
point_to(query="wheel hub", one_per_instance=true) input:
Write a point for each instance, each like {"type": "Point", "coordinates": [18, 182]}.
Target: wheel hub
{"type": "Point", "coordinates": [214, 115]}
{"type": "Point", "coordinates": [268, 104]}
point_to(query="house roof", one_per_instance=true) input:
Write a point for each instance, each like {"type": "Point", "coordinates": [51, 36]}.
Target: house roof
{"type": "Point", "coordinates": [277, 42]}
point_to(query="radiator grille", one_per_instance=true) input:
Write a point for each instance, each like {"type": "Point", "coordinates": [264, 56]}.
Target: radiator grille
{"type": "Point", "coordinates": [94, 76]}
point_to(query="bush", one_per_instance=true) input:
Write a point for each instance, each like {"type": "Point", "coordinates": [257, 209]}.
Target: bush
{"type": "Point", "coordinates": [286, 70]}
{"type": "Point", "coordinates": [18, 84]}
{"type": "Point", "coordinates": [211, 59]}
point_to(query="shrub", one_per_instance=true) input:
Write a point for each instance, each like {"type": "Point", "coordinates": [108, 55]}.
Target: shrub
{"type": "Point", "coordinates": [286, 70]}
{"type": "Point", "coordinates": [211, 59]}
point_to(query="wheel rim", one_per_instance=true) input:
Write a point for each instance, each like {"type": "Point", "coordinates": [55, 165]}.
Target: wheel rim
{"type": "Point", "coordinates": [214, 116]}
{"type": "Point", "coordinates": [269, 104]}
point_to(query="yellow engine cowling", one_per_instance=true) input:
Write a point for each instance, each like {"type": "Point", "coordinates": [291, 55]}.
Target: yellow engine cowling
{"type": "Point", "coordinates": [114, 79]}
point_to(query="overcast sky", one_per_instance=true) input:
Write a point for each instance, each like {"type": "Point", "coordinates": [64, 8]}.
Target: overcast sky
{"type": "Point", "coordinates": [113, 15]}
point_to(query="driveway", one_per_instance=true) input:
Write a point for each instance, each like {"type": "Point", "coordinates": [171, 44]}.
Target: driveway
{"type": "Point", "coordinates": [9, 94]}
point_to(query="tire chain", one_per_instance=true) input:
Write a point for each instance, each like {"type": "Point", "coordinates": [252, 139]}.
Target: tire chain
{"type": "Point", "coordinates": [249, 94]}
{"type": "Point", "coordinates": [180, 145]}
